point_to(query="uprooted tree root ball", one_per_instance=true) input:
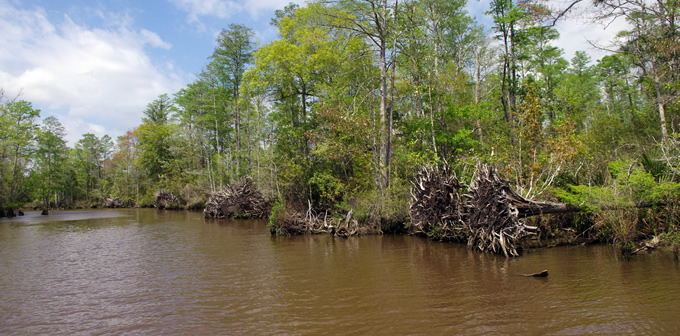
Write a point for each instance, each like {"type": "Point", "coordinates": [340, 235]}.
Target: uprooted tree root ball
{"type": "Point", "coordinates": [488, 217]}
{"type": "Point", "coordinates": [241, 199]}
{"type": "Point", "coordinates": [436, 207]}
{"type": "Point", "coordinates": [493, 214]}
{"type": "Point", "coordinates": [113, 202]}
{"type": "Point", "coordinates": [166, 200]}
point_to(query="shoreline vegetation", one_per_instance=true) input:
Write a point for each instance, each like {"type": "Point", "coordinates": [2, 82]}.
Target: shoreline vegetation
{"type": "Point", "coordinates": [370, 117]}
{"type": "Point", "coordinates": [487, 215]}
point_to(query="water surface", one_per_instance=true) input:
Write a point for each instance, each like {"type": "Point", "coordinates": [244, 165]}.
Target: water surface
{"type": "Point", "coordinates": [149, 272]}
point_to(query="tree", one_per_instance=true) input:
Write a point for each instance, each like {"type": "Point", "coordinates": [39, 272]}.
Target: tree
{"type": "Point", "coordinates": [437, 43]}
{"type": "Point", "coordinates": [314, 68]}
{"type": "Point", "coordinates": [17, 134]}
{"type": "Point", "coordinates": [653, 42]}
{"type": "Point", "coordinates": [512, 20]}
{"type": "Point", "coordinates": [123, 175]}
{"type": "Point", "coordinates": [91, 152]}
{"type": "Point", "coordinates": [51, 156]}
{"type": "Point", "coordinates": [158, 111]}
{"type": "Point", "coordinates": [234, 52]}
{"type": "Point", "coordinates": [197, 114]}
{"type": "Point", "coordinates": [372, 19]}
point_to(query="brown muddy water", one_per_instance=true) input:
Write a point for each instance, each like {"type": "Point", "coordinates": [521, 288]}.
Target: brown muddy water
{"type": "Point", "coordinates": [149, 272]}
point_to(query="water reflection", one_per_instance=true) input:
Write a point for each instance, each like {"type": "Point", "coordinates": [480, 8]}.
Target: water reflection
{"type": "Point", "coordinates": [143, 271]}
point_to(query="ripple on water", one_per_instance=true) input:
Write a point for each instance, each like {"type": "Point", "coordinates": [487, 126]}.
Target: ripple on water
{"type": "Point", "coordinates": [149, 272]}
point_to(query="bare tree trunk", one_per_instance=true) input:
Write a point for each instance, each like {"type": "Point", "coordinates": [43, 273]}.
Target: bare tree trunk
{"type": "Point", "coordinates": [237, 111]}
{"type": "Point", "coordinates": [217, 132]}
{"type": "Point", "coordinates": [49, 173]}
{"type": "Point", "coordinates": [388, 152]}
{"type": "Point", "coordinates": [662, 110]}
{"type": "Point", "coordinates": [14, 174]}
{"type": "Point", "coordinates": [237, 156]}
{"type": "Point", "coordinates": [477, 95]}
{"type": "Point", "coordinates": [383, 97]}
{"type": "Point", "coordinates": [434, 140]}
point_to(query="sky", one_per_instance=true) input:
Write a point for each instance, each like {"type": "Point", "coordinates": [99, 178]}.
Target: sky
{"type": "Point", "coordinates": [96, 64]}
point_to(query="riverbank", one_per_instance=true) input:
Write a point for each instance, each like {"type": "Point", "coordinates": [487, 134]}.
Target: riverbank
{"type": "Point", "coordinates": [552, 230]}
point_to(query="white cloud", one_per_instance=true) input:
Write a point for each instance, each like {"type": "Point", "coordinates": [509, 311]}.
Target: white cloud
{"type": "Point", "coordinates": [580, 32]}
{"type": "Point", "coordinates": [96, 80]}
{"type": "Point", "coordinates": [153, 39]}
{"type": "Point", "coordinates": [218, 8]}
{"type": "Point", "coordinates": [227, 9]}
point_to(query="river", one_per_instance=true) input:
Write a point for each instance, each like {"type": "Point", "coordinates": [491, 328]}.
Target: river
{"type": "Point", "coordinates": [149, 272]}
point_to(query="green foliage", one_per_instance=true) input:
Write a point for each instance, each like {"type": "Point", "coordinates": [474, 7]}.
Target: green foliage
{"type": "Point", "coordinates": [18, 130]}
{"type": "Point", "coordinates": [51, 156]}
{"type": "Point", "coordinates": [147, 199]}
{"type": "Point", "coordinates": [90, 154]}
{"type": "Point", "coordinates": [308, 116]}
{"type": "Point", "coordinates": [327, 190]}
{"type": "Point", "coordinates": [158, 111]}
{"type": "Point", "coordinates": [277, 216]}
{"type": "Point", "coordinates": [630, 185]}
{"type": "Point", "coordinates": [388, 209]}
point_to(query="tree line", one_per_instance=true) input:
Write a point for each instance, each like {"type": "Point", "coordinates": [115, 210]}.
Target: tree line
{"type": "Point", "coordinates": [355, 96]}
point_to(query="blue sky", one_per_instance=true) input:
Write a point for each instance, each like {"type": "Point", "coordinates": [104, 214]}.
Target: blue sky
{"type": "Point", "coordinates": [95, 64]}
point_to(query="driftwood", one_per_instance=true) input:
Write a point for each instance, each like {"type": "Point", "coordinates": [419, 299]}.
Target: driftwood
{"type": "Point", "coordinates": [348, 226]}
{"type": "Point", "coordinates": [166, 200]}
{"type": "Point", "coordinates": [113, 202]}
{"type": "Point", "coordinates": [541, 274]}
{"type": "Point", "coordinates": [295, 223]}
{"type": "Point", "coordinates": [240, 200]}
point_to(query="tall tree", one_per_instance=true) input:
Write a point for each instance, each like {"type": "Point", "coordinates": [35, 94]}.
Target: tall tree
{"type": "Point", "coordinates": [233, 54]}
{"type": "Point", "coordinates": [513, 20]}
{"type": "Point", "coordinates": [374, 21]}
{"type": "Point", "coordinates": [17, 134]}
{"type": "Point", "coordinates": [91, 152]}
{"type": "Point", "coordinates": [158, 111]}
{"type": "Point", "coordinates": [51, 155]}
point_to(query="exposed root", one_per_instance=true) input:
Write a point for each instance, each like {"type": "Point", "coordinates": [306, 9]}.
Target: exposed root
{"type": "Point", "coordinates": [166, 200]}
{"type": "Point", "coordinates": [296, 223]}
{"type": "Point", "coordinates": [113, 202]}
{"type": "Point", "coordinates": [437, 209]}
{"type": "Point", "coordinates": [493, 214]}
{"type": "Point", "coordinates": [488, 217]}
{"type": "Point", "coordinates": [239, 200]}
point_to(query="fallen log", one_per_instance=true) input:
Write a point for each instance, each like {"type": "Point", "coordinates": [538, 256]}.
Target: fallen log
{"type": "Point", "coordinates": [541, 274]}
{"type": "Point", "coordinates": [340, 225]}
{"type": "Point", "coordinates": [347, 227]}
{"type": "Point", "coordinates": [488, 216]}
